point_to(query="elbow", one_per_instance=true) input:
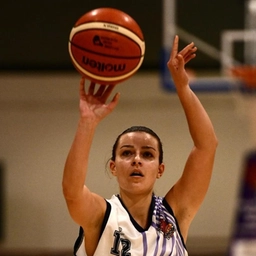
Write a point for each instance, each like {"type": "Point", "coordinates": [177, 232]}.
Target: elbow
{"type": "Point", "coordinates": [215, 141]}
{"type": "Point", "coordinates": [67, 191]}
{"type": "Point", "coordinates": [70, 192]}
{"type": "Point", "coordinates": [213, 144]}
{"type": "Point", "coordinates": [209, 144]}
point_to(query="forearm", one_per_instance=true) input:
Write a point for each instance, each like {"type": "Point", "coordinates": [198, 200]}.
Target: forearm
{"type": "Point", "coordinates": [199, 123]}
{"type": "Point", "coordinates": [77, 160]}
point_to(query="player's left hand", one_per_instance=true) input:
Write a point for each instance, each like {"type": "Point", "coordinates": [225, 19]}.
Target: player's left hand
{"type": "Point", "coordinates": [177, 61]}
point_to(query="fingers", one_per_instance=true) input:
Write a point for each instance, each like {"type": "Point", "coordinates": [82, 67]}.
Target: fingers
{"type": "Point", "coordinates": [189, 58]}
{"type": "Point", "coordinates": [187, 53]}
{"type": "Point", "coordinates": [187, 49]}
{"type": "Point", "coordinates": [108, 90]}
{"type": "Point", "coordinates": [102, 92]}
{"type": "Point", "coordinates": [114, 101]}
{"type": "Point", "coordinates": [91, 88]}
{"type": "Point", "coordinates": [175, 47]}
{"type": "Point", "coordinates": [180, 62]}
{"type": "Point", "coordinates": [81, 87]}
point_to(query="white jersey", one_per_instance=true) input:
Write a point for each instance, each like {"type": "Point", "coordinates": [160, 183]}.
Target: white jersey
{"type": "Point", "coordinates": [122, 236]}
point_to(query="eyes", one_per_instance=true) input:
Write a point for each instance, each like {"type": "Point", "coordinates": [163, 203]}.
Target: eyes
{"type": "Point", "coordinates": [147, 154]}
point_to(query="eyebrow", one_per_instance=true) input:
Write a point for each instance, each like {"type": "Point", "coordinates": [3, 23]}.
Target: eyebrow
{"type": "Point", "coordinates": [144, 147]}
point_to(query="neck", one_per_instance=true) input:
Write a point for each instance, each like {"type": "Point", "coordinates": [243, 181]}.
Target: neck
{"type": "Point", "coordinates": [138, 207]}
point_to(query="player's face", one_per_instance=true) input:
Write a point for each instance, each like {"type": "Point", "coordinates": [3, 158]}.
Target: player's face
{"type": "Point", "coordinates": [137, 162]}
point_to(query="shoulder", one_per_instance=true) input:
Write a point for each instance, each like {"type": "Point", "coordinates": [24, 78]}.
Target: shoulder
{"type": "Point", "coordinates": [113, 200]}
{"type": "Point", "coordinates": [166, 217]}
{"type": "Point", "coordinates": [180, 217]}
{"type": "Point", "coordinates": [89, 237]}
{"type": "Point", "coordinates": [163, 209]}
{"type": "Point", "coordinates": [116, 203]}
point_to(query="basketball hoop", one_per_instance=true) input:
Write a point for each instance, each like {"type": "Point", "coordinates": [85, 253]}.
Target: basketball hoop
{"type": "Point", "coordinates": [247, 75]}
{"type": "Point", "coordinates": [246, 96]}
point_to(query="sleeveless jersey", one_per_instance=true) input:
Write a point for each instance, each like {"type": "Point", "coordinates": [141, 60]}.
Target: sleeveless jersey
{"type": "Point", "coordinates": [122, 236]}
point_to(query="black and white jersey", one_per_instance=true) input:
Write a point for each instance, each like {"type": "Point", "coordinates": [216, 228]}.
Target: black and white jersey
{"type": "Point", "coordinates": [122, 236]}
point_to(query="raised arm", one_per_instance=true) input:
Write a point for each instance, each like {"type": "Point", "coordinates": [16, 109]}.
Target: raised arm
{"type": "Point", "coordinates": [186, 196]}
{"type": "Point", "coordinates": [84, 206]}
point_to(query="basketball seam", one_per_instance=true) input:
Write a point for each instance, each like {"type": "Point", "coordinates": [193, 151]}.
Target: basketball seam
{"type": "Point", "coordinates": [106, 55]}
{"type": "Point", "coordinates": [107, 79]}
{"type": "Point", "coordinates": [134, 37]}
{"type": "Point", "coordinates": [102, 21]}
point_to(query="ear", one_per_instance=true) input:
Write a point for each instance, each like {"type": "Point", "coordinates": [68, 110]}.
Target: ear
{"type": "Point", "coordinates": [160, 170]}
{"type": "Point", "coordinates": [112, 167]}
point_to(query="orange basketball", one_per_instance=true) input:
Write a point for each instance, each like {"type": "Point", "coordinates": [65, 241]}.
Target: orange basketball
{"type": "Point", "coordinates": [106, 45]}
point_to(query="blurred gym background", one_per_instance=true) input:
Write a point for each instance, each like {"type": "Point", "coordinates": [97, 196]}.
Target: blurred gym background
{"type": "Point", "coordinates": [39, 111]}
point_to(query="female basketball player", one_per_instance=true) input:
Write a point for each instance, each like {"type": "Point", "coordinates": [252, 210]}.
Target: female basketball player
{"type": "Point", "coordinates": [136, 222]}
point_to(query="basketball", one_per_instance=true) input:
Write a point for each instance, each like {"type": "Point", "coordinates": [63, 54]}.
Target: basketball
{"type": "Point", "coordinates": [106, 46]}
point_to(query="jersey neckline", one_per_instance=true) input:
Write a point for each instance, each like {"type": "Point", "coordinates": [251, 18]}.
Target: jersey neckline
{"type": "Point", "coordinates": [134, 222]}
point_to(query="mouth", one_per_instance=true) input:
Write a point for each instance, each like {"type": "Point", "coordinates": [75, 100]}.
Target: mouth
{"type": "Point", "coordinates": [136, 174]}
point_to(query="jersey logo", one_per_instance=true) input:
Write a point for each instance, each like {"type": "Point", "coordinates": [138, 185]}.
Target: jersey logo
{"type": "Point", "coordinates": [125, 244]}
{"type": "Point", "coordinates": [167, 229]}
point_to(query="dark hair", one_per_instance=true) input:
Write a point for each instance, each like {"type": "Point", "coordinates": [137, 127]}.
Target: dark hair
{"type": "Point", "coordinates": [139, 129]}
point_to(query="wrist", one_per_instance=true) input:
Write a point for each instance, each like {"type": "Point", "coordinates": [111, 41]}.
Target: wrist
{"type": "Point", "coordinates": [88, 122]}
{"type": "Point", "coordinates": [185, 88]}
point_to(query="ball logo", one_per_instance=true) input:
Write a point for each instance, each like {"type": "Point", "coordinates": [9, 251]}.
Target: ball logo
{"type": "Point", "coordinates": [103, 67]}
{"type": "Point", "coordinates": [110, 26]}
{"type": "Point", "coordinates": [96, 41]}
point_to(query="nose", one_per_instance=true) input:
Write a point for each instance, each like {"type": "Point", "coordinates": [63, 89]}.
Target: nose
{"type": "Point", "coordinates": [136, 160]}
